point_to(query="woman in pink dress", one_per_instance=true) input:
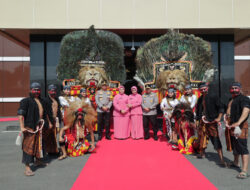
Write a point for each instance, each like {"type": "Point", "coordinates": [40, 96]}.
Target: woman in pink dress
{"type": "Point", "coordinates": [134, 103]}
{"type": "Point", "coordinates": [121, 115]}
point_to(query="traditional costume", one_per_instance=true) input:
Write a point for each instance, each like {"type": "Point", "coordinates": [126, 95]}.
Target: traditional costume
{"type": "Point", "coordinates": [237, 128]}
{"type": "Point", "coordinates": [84, 98]}
{"type": "Point", "coordinates": [208, 109]}
{"type": "Point", "coordinates": [184, 125]}
{"type": "Point", "coordinates": [135, 100]}
{"type": "Point", "coordinates": [121, 115]}
{"type": "Point", "coordinates": [149, 103]}
{"type": "Point", "coordinates": [79, 117]}
{"type": "Point", "coordinates": [33, 112]}
{"type": "Point", "coordinates": [167, 106]}
{"type": "Point", "coordinates": [188, 97]}
{"type": "Point", "coordinates": [65, 100]}
{"type": "Point", "coordinates": [237, 143]}
{"type": "Point", "coordinates": [54, 118]}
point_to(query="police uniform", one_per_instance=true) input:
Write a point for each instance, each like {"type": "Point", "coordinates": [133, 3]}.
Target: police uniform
{"type": "Point", "coordinates": [103, 99]}
{"type": "Point", "coordinates": [149, 101]}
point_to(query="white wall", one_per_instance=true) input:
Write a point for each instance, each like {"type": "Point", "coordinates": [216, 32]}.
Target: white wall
{"type": "Point", "coordinates": [122, 14]}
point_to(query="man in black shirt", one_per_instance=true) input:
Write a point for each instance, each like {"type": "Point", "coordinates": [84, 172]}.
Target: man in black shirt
{"type": "Point", "coordinates": [53, 108]}
{"type": "Point", "coordinates": [209, 111]}
{"type": "Point", "coordinates": [238, 112]}
{"type": "Point", "coordinates": [32, 115]}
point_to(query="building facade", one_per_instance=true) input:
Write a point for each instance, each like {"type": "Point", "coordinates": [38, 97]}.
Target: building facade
{"type": "Point", "coordinates": [31, 31]}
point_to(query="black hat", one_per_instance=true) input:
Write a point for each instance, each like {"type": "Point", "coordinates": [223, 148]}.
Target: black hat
{"type": "Point", "coordinates": [171, 90]}
{"type": "Point", "coordinates": [236, 84]}
{"type": "Point", "coordinates": [202, 84]}
{"type": "Point", "coordinates": [188, 86]}
{"type": "Point", "coordinates": [52, 87]}
{"type": "Point", "coordinates": [66, 87]}
{"type": "Point", "coordinates": [83, 90]}
{"type": "Point", "coordinates": [35, 85]}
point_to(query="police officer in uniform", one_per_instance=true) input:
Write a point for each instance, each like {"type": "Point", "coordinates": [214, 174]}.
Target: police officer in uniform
{"type": "Point", "coordinates": [149, 103]}
{"type": "Point", "coordinates": [103, 100]}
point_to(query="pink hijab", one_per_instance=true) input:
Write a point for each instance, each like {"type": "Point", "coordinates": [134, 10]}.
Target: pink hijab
{"type": "Point", "coordinates": [134, 87]}
{"type": "Point", "coordinates": [121, 87]}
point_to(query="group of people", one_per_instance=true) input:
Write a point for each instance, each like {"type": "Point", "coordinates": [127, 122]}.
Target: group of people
{"type": "Point", "coordinates": [132, 115]}
{"type": "Point", "coordinates": [40, 120]}
{"type": "Point", "coordinates": [208, 112]}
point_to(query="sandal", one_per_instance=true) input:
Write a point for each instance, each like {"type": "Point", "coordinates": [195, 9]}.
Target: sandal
{"type": "Point", "coordinates": [91, 149]}
{"type": "Point", "coordinates": [29, 173]}
{"type": "Point", "coordinates": [242, 175]}
{"type": "Point", "coordinates": [62, 157]}
{"type": "Point", "coordinates": [232, 165]}
{"type": "Point", "coordinates": [174, 147]}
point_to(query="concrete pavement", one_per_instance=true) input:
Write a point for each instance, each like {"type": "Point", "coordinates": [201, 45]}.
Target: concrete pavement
{"type": "Point", "coordinates": [60, 175]}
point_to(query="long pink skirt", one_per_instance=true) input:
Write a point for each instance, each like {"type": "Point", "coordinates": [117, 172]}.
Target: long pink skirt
{"type": "Point", "coordinates": [136, 126]}
{"type": "Point", "coordinates": [121, 127]}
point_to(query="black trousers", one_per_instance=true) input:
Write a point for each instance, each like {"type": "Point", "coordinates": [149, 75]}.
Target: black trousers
{"type": "Point", "coordinates": [103, 119]}
{"type": "Point", "coordinates": [28, 159]}
{"type": "Point", "coordinates": [153, 120]}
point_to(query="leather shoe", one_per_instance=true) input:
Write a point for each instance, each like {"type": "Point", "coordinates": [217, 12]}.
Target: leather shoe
{"type": "Point", "coordinates": [146, 137]}
{"type": "Point", "coordinates": [156, 138]}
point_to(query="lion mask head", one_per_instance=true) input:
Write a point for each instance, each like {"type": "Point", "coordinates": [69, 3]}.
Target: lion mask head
{"type": "Point", "coordinates": [171, 79]}
{"type": "Point", "coordinates": [90, 115]}
{"type": "Point", "coordinates": [92, 76]}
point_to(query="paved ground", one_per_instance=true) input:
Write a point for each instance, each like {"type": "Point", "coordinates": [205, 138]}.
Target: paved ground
{"type": "Point", "coordinates": [60, 175]}
{"type": "Point", "coordinates": [223, 178]}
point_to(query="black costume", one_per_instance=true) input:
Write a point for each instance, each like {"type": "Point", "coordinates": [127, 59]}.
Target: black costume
{"type": "Point", "coordinates": [213, 107]}
{"type": "Point", "coordinates": [209, 106]}
{"type": "Point", "coordinates": [50, 134]}
{"type": "Point", "coordinates": [30, 111]}
{"type": "Point", "coordinates": [239, 145]}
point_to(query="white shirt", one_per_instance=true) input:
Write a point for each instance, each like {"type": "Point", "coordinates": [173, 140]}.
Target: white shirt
{"type": "Point", "coordinates": [191, 100]}
{"type": "Point", "coordinates": [166, 108]}
{"type": "Point", "coordinates": [65, 102]}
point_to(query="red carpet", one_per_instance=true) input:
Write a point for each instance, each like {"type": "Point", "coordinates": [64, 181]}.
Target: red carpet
{"type": "Point", "coordinates": [8, 119]}
{"type": "Point", "coordinates": [139, 165]}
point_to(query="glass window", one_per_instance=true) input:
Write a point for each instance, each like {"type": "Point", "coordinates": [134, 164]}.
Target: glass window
{"type": "Point", "coordinates": [226, 68]}
{"type": "Point", "coordinates": [37, 64]}
{"type": "Point", "coordinates": [53, 54]}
